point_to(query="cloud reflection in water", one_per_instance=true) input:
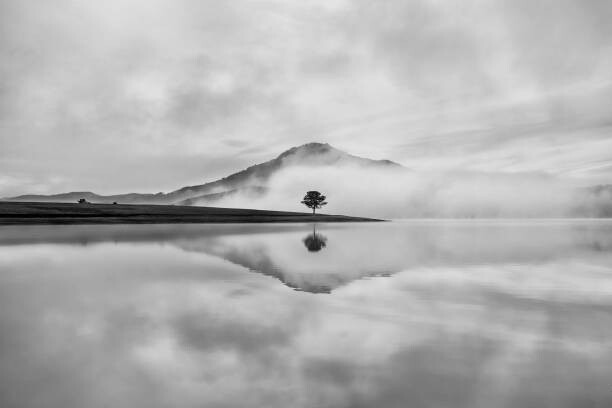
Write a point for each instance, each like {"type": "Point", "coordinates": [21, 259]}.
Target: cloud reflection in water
{"type": "Point", "coordinates": [471, 315]}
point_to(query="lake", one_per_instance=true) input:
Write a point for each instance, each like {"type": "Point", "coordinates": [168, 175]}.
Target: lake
{"type": "Point", "coordinates": [465, 313]}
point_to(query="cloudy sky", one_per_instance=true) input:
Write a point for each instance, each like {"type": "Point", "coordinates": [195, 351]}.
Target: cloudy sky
{"type": "Point", "coordinates": [151, 95]}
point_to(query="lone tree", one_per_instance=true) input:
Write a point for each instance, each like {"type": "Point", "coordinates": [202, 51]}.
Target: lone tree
{"type": "Point", "coordinates": [314, 200]}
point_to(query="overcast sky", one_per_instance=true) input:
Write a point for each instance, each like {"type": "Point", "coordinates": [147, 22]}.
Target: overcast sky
{"type": "Point", "coordinates": [150, 95]}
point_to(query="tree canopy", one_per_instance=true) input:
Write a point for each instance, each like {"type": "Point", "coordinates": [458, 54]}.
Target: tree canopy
{"type": "Point", "coordinates": [314, 200]}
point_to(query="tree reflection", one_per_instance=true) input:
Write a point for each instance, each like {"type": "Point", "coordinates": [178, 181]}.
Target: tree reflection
{"type": "Point", "coordinates": [314, 242]}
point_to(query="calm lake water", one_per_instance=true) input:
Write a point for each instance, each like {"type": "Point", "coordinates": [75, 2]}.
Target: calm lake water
{"type": "Point", "coordinates": [402, 314]}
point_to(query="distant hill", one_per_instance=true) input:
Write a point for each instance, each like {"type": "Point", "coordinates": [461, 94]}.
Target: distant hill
{"type": "Point", "coordinates": [246, 187]}
{"type": "Point", "coordinates": [251, 181]}
{"type": "Point", "coordinates": [595, 201]}
{"type": "Point", "coordinates": [252, 192]}
{"type": "Point", "coordinates": [74, 196]}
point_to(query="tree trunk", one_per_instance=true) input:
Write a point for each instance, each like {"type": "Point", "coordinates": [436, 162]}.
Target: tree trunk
{"type": "Point", "coordinates": [313, 211]}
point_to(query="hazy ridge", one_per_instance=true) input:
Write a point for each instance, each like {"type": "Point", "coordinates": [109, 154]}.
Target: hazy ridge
{"type": "Point", "coordinates": [250, 182]}
{"type": "Point", "coordinates": [374, 188]}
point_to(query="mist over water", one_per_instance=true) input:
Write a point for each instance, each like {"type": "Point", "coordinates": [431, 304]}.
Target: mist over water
{"type": "Point", "coordinates": [396, 192]}
{"type": "Point", "coordinates": [480, 130]}
{"type": "Point", "coordinates": [419, 313]}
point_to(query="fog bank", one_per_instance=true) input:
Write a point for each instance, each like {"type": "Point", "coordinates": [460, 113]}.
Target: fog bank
{"type": "Point", "coordinates": [400, 193]}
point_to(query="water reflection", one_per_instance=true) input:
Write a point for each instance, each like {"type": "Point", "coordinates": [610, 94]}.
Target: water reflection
{"type": "Point", "coordinates": [277, 251]}
{"type": "Point", "coordinates": [468, 315]}
{"type": "Point", "coordinates": [315, 242]}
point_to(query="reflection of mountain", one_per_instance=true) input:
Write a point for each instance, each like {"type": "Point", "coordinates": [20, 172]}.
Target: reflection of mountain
{"type": "Point", "coordinates": [260, 261]}
{"type": "Point", "coordinates": [282, 256]}
{"type": "Point", "coordinates": [358, 251]}
{"type": "Point", "coordinates": [371, 251]}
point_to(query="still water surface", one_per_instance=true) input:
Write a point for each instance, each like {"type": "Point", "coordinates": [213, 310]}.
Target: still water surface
{"type": "Point", "coordinates": [404, 314]}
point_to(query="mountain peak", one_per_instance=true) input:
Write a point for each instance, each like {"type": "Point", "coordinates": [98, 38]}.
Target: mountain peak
{"type": "Point", "coordinates": [315, 153]}
{"type": "Point", "coordinates": [313, 148]}
{"type": "Point", "coordinates": [252, 180]}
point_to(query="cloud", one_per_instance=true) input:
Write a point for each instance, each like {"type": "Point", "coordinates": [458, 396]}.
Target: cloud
{"type": "Point", "coordinates": [401, 193]}
{"type": "Point", "coordinates": [161, 83]}
{"type": "Point", "coordinates": [459, 313]}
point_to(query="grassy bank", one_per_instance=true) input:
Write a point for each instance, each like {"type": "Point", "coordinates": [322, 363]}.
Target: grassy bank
{"type": "Point", "coordinates": [15, 213]}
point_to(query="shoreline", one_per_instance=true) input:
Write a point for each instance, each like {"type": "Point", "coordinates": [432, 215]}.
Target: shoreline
{"type": "Point", "coordinates": [43, 213]}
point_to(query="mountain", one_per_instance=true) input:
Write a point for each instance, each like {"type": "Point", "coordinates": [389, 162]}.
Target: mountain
{"type": "Point", "coordinates": [251, 182]}
{"type": "Point", "coordinates": [595, 201]}
{"type": "Point", "coordinates": [252, 192]}
{"type": "Point", "coordinates": [74, 196]}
